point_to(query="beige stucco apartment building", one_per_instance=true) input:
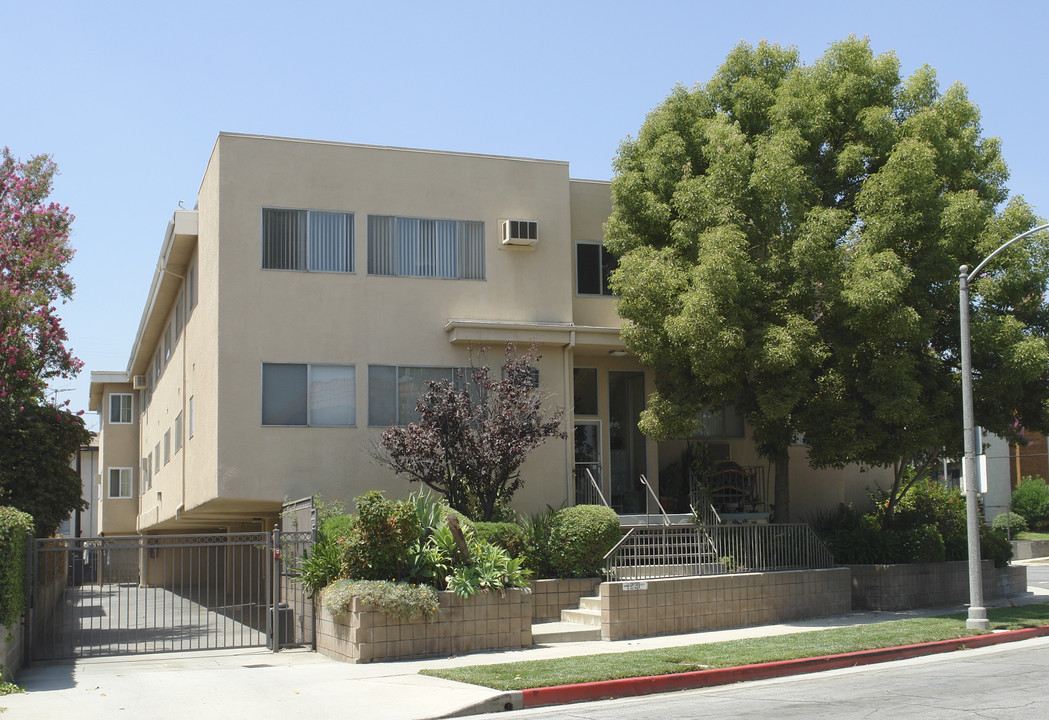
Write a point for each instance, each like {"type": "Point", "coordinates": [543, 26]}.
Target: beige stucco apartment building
{"type": "Point", "coordinates": [300, 308]}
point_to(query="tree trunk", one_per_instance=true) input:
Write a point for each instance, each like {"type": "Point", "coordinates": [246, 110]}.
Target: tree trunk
{"type": "Point", "coordinates": [782, 486]}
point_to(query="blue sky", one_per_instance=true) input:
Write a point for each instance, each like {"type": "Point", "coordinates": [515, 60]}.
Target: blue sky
{"type": "Point", "coordinates": [129, 97]}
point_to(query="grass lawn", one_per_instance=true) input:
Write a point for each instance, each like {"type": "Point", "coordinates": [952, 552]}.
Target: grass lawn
{"type": "Point", "coordinates": [1032, 536]}
{"type": "Point", "coordinates": [664, 661]}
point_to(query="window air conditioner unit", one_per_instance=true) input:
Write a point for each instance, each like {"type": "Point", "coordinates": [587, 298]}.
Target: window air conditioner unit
{"type": "Point", "coordinates": [520, 232]}
{"type": "Point", "coordinates": [138, 382]}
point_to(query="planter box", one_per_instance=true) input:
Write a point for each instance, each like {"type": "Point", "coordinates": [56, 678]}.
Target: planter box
{"type": "Point", "coordinates": [550, 597]}
{"type": "Point", "coordinates": [487, 621]}
{"type": "Point", "coordinates": [680, 605]}
{"type": "Point", "coordinates": [1027, 549]}
{"type": "Point", "coordinates": [920, 585]}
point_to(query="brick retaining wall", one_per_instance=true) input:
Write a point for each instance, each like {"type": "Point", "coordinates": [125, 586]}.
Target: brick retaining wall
{"type": "Point", "coordinates": [487, 621]}
{"type": "Point", "coordinates": [680, 605]}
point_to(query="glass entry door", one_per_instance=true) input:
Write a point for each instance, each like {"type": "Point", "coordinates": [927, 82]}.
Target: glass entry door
{"type": "Point", "coordinates": [588, 462]}
{"type": "Point", "coordinates": [629, 460]}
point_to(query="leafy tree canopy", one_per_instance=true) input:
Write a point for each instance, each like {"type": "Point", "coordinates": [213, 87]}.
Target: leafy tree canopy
{"type": "Point", "coordinates": [37, 447]}
{"type": "Point", "coordinates": [789, 239]}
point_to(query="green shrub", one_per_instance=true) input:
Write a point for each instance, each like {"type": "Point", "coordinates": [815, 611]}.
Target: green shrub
{"type": "Point", "coordinates": [482, 567]}
{"type": "Point", "coordinates": [919, 545]}
{"type": "Point", "coordinates": [995, 546]}
{"type": "Point", "coordinates": [380, 539]}
{"type": "Point", "coordinates": [16, 529]}
{"type": "Point", "coordinates": [537, 554]}
{"type": "Point", "coordinates": [508, 536]}
{"type": "Point", "coordinates": [1031, 499]}
{"type": "Point", "coordinates": [398, 599]}
{"type": "Point", "coordinates": [580, 536]}
{"type": "Point", "coordinates": [1009, 522]}
{"type": "Point", "coordinates": [321, 566]}
{"type": "Point", "coordinates": [931, 503]}
{"type": "Point", "coordinates": [335, 527]}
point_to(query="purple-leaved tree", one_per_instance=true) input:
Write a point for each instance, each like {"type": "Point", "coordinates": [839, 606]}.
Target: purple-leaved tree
{"type": "Point", "coordinates": [474, 434]}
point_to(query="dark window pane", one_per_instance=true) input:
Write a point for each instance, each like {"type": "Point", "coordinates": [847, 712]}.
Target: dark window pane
{"type": "Point", "coordinates": [585, 391]}
{"type": "Point", "coordinates": [588, 269]}
{"type": "Point", "coordinates": [283, 394]}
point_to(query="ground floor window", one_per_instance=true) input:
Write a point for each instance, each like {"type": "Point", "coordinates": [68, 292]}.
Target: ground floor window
{"type": "Point", "coordinates": [120, 482]}
{"type": "Point", "coordinates": [309, 394]}
{"type": "Point", "coordinates": [394, 390]}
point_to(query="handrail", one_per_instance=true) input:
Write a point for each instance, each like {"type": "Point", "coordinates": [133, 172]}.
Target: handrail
{"type": "Point", "coordinates": [593, 482]}
{"type": "Point", "coordinates": [622, 540]}
{"type": "Point", "coordinates": [666, 518]}
{"type": "Point", "coordinates": [708, 512]}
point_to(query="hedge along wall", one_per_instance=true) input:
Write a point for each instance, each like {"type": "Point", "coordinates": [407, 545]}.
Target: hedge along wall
{"type": "Point", "coordinates": [16, 528]}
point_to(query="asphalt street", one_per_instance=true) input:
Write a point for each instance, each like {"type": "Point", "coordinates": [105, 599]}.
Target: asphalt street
{"type": "Point", "coordinates": [1005, 682]}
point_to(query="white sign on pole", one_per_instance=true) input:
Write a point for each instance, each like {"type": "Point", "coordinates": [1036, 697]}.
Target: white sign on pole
{"type": "Point", "coordinates": [981, 475]}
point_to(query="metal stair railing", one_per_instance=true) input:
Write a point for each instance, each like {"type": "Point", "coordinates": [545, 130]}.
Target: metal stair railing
{"type": "Point", "coordinates": [664, 552]}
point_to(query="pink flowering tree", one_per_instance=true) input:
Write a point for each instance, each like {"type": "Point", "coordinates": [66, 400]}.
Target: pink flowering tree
{"type": "Point", "coordinates": [34, 252]}
{"type": "Point", "coordinates": [37, 441]}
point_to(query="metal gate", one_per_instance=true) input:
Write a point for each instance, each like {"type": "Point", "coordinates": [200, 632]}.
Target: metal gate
{"type": "Point", "coordinates": [163, 593]}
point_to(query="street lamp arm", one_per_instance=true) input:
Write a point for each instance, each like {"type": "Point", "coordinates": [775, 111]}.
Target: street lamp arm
{"type": "Point", "coordinates": [988, 259]}
{"type": "Point", "coordinates": [977, 619]}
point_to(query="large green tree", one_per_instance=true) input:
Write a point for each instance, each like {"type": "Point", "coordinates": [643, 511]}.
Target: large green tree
{"type": "Point", "coordinates": [789, 239]}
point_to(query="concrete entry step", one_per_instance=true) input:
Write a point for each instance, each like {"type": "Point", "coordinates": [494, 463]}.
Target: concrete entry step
{"type": "Point", "coordinates": [589, 618]}
{"type": "Point", "coordinates": [559, 632]}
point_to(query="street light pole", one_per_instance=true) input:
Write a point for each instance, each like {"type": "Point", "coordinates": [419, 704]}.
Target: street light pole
{"type": "Point", "coordinates": [977, 619]}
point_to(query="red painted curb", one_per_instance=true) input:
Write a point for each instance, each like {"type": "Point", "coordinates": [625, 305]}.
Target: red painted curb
{"type": "Point", "coordinates": [630, 687]}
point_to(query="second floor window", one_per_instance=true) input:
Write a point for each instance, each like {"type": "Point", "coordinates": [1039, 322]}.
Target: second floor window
{"type": "Point", "coordinates": [308, 240]}
{"type": "Point", "coordinates": [421, 247]}
{"type": "Point", "coordinates": [120, 408]}
{"type": "Point", "coordinates": [593, 265]}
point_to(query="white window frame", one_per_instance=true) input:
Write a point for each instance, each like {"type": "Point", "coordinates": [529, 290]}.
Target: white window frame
{"type": "Point", "coordinates": [156, 459]}
{"type": "Point", "coordinates": [310, 421]}
{"type": "Point", "coordinates": [167, 446]}
{"type": "Point", "coordinates": [190, 411]}
{"type": "Point", "coordinates": [130, 408]}
{"type": "Point", "coordinates": [147, 476]}
{"type": "Point", "coordinates": [127, 475]}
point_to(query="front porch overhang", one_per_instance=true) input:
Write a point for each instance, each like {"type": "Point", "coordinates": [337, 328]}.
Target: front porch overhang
{"type": "Point", "coordinates": [488, 332]}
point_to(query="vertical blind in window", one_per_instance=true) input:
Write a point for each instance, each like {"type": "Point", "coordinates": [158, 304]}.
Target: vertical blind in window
{"type": "Point", "coordinates": [307, 240]}
{"type": "Point", "coordinates": [420, 247]}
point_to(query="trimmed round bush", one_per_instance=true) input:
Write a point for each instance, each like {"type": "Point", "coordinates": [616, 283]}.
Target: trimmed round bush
{"type": "Point", "coordinates": [579, 538]}
{"type": "Point", "coordinates": [1031, 499]}
{"type": "Point", "coordinates": [508, 536]}
{"type": "Point", "coordinates": [1009, 522]}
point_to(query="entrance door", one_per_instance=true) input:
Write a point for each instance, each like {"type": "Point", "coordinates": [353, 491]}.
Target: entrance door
{"type": "Point", "coordinates": [588, 463]}
{"type": "Point", "coordinates": [628, 461]}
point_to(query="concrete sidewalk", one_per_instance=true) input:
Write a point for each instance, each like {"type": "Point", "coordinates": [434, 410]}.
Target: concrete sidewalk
{"type": "Point", "coordinates": [235, 684]}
